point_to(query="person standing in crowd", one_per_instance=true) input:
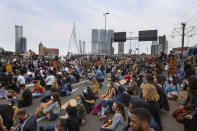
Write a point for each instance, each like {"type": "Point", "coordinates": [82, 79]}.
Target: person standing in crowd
{"type": "Point", "coordinates": [27, 97]}
{"type": "Point", "coordinates": [140, 120]}
{"type": "Point", "coordinates": [180, 74]}
{"type": "Point", "coordinates": [27, 122]}
{"type": "Point", "coordinates": [118, 122]}
{"type": "Point", "coordinates": [99, 75]}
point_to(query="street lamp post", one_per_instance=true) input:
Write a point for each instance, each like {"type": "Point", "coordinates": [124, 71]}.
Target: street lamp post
{"type": "Point", "coordinates": [105, 14]}
{"type": "Point", "coordinates": [130, 39]}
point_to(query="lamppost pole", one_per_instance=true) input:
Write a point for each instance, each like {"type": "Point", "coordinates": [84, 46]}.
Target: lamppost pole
{"type": "Point", "coordinates": [105, 14]}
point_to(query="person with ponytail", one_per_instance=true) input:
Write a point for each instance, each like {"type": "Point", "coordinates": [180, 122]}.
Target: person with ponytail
{"type": "Point", "coordinates": [52, 108]}
{"type": "Point", "coordinates": [119, 119]}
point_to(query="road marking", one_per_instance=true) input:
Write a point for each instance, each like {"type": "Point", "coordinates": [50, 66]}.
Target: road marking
{"type": "Point", "coordinates": [80, 83]}
{"type": "Point", "coordinates": [29, 85]}
{"type": "Point", "coordinates": [41, 118]}
{"type": "Point", "coordinates": [74, 90]}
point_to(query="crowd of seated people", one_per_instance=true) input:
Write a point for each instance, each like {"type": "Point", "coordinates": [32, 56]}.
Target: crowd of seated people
{"type": "Point", "coordinates": [146, 91]}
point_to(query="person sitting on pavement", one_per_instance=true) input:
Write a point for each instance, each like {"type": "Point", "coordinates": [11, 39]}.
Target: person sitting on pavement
{"type": "Point", "coordinates": [190, 102]}
{"type": "Point", "coordinates": [89, 98]}
{"type": "Point", "coordinates": [118, 122]}
{"type": "Point", "coordinates": [151, 98]}
{"type": "Point", "coordinates": [2, 126]}
{"type": "Point", "coordinates": [27, 97]}
{"type": "Point", "coordinates": [110, 94]}
{"type": "Point", "coordinates": [49, 80]}
{"type": "Point", "coordinates": [171, 88]}
{"type": "Point", "coordinates": [140, 120]}
{"type": "Point", "coordinates": [52, 108]}
{"type": "Point", "coordinates": [27, 122]}
{"type": "Point", "coordinates": [6, 112]}
{"type": "Point", "coordinates": [95, 87]}
{"type": "Point", "coordinates": [137, 102]}
{"type": "Point", "coordinates": [14, 99]}
{"type": "Point", "coordinates": [191, 120]}
{"type": "Point", "coordinates": [81, 109]}
{"type": "Point", "coordinates": [133, 88]}
{"type": "Point", "coordinates": [62, 125]}
{"type": "Point", "coordinates": [20, 79]}
{"type": "Point", "coordinates": [38, 90]}
{"type": "Point", "coordinates": [3, 91]}
{"type": "Point", "coordinates": [65, 89]}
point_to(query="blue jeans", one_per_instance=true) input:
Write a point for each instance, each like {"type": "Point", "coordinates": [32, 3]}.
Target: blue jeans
{"type": "Point", "coordinates": [91, 107]}
{"type": "Point", "coordinates": [50, 128]}
{"type": "Point", "coordinates": [73, 79]}
{"type": "Point", "coordinates": [65, 89]}
{"type": "Point", "coordinates": [37, 94]}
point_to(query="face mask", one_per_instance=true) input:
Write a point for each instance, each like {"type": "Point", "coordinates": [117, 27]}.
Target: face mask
{"type": "Point", "coordinates": [170, 79]}
{"type": "Point", "coordinates": [129, 113]}
{"type": "Point", "coordinates": [108, 85]}
{"type": "Point", "coordinates": [85, 91]}
{"type": "Point", "coordinates": [51, 97]}
{"type": "Point", "coordinates": [78, 103]}
{"type": "Point", "coordinates": [9, 97]}
{"type": "Point", "coordinates": [155, 80]}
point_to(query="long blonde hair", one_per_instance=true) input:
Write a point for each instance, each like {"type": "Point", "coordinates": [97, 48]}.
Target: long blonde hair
{"type": "Point", "coordinates": [149, 93]}
{"type": "Point", "coordinates": [95, 83]}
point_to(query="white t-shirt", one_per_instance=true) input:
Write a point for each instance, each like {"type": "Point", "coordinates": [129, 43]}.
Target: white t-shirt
{"type": "Point", "coordinates": [29, 73]}
{"type": "Point", "coordinates": [50, 79]}
{"type": "Point", "coordinates": [21, 80]}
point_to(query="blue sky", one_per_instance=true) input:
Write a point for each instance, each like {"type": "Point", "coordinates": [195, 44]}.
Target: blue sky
{"type": "Point", "coordinates": [50, 21]}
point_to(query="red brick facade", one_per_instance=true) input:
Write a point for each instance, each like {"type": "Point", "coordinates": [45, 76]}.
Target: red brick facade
{"type": "Point", "coordinates": [43, 51]}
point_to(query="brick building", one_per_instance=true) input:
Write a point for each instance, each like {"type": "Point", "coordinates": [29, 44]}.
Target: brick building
{"type": "Point", "coordinates": [51, 52]}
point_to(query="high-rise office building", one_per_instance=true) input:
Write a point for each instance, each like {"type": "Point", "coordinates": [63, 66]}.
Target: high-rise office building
{"type": "Point", "coordinates": [23, 45]}
{"type": "Point", "coordinates": [102, 41]}
{"type": "Point", "coordinates": [110, 36]}
{"type": "Point", "coordinates": [95, 41]}
{"type": "Point", "coordinates": [20, 41]}
{"type": "Point", "coordinates": [102, 44]}
{"type": "Point", "coordinates": [84, 47]}
{"type": "Point", "coordinates": [18, 36]}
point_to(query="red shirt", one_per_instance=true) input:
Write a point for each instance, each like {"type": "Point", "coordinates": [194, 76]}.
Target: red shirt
{"type": "Point", "coordinates": [128, 78]}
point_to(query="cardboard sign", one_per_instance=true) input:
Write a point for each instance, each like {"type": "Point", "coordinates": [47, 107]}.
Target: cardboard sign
{"type": "Point", "coordinates": [72, 102]}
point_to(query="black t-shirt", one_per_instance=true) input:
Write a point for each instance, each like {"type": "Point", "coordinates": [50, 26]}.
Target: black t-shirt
{"type": "Point", "coordinates": [27, 97]}
{"type": "Point", "coordinates": [7, 115]}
